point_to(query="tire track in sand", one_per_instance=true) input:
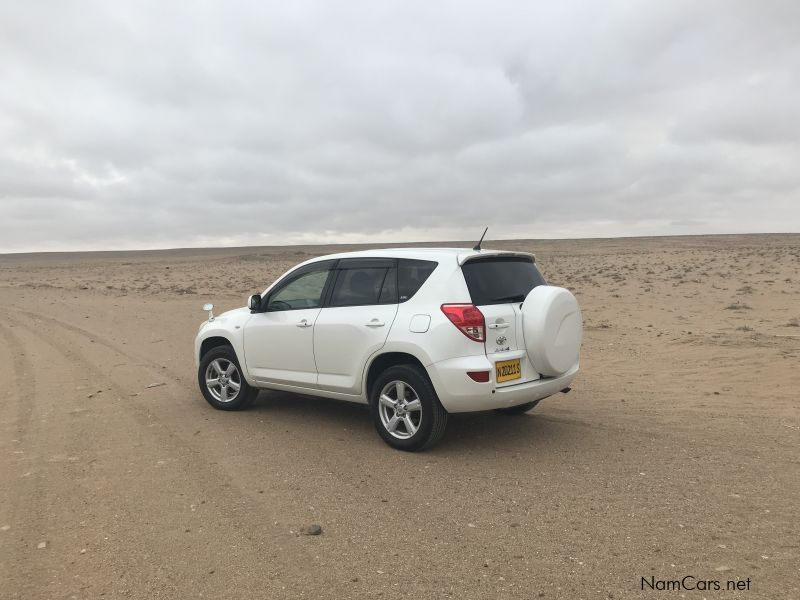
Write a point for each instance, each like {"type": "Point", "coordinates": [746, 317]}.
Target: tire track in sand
{"type": "Point", "coordinates": [223, 507]}
{"type": "Point", "coordinates": [20, 372]}
{"type": "Point", "coordinates": [24, 466]}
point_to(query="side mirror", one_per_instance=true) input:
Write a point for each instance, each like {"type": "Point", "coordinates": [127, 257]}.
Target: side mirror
{"type": "Point", "coordinates": [210, 309]}
{"type": "Point", "coordinates": [255, 302]}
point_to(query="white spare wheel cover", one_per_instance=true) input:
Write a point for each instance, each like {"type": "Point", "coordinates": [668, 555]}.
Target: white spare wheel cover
{"type": "Point", "coordinates": [553, 329]}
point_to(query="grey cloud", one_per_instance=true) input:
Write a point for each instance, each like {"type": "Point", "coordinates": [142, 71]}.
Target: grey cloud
{"type": "Point", "coordinates": [144, 124]}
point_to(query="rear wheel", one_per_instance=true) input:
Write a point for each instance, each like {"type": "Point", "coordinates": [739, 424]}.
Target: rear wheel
{"type": "Point", "coordinates": [406, 410]}
{"type": "Point", "coordinates": [221, 380]}
{"type": "Point", "coordinates": [518, 409]}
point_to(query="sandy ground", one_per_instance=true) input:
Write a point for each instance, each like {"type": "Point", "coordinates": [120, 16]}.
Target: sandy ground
{"type": "Point", "coordinates": [676, 453]}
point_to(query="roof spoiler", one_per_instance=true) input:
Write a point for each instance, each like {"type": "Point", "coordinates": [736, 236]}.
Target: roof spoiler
{"type": "Point", "coordinates": [468, 256]}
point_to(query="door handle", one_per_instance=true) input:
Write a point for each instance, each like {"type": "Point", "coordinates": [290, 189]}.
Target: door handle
{"type": "Point", "coordinates": [304, 323]}
{"type": "Point", "coordinates": [499, 325]}
{"type": "Point", "coordinates": [375, 323]}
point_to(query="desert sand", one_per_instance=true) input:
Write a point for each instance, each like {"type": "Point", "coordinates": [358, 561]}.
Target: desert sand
{"type": "Point", "coordinates": [675, 454]}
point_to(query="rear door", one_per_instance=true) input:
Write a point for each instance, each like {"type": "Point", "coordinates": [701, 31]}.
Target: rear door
{"type": "Point", "coordinates": [498, 286]}
{"type": "Point", "coordinates": [355, 321]}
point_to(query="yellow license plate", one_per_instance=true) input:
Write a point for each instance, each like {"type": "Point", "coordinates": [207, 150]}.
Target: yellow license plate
{"type": "Point", "coordinates": [506, 370]}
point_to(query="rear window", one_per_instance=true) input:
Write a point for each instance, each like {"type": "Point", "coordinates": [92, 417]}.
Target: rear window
{"type": "Point", "coordinates": [501, 279]}
{"type": "Point", "coordinates": [411, 274]}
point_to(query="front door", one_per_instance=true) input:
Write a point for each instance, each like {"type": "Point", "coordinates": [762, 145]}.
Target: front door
{"type": "Point", "coordinates": [279, 343]}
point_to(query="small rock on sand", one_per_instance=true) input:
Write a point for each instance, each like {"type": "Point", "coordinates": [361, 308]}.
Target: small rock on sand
{"type": "Point", "coordinates": [42, 545]}
{"type": "Point", "coordinates": [313, 529]}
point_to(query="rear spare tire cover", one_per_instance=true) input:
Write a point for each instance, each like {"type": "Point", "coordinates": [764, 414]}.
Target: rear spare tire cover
{"type": "Point", "coordinates": [553, 329]}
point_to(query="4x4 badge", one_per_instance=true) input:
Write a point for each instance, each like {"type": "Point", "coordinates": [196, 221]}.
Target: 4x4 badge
{"type": "Point", "coordinates": [501, 340]}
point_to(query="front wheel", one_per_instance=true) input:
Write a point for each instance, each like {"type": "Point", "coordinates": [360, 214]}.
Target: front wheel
{"type": "Point", "coordinates": [221, 380]}
{"type": "Point", "coordinates": [406, 410]}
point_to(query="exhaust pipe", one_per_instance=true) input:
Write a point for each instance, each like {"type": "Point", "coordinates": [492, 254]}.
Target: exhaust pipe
{"type": "Point", "coordinates": [566, 390]}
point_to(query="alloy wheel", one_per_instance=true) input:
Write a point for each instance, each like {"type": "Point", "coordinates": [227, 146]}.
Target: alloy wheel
{"type": "Point", "coordinates": [223, 380]}
{"type": "Point", "coordinates": [400, 409]}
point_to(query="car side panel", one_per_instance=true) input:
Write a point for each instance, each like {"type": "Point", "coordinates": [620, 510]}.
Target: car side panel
{"type": "Point", "coordinates": [441, 340]}
{"type": "Point", "coordinates": [279, 347]}
{"type": "Point", "coordinates": [344, 339]}
{"type": "Point", "coordinates": [230, 327]}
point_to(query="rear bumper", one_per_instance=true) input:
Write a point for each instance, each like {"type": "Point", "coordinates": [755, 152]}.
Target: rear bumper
{"type": "Point", "coordinates": [458, 393]}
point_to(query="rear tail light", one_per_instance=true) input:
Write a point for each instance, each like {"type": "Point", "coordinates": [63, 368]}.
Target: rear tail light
{"type": "Point", "coordinates": [468, 319]}
{"type": "Point", "coordinates": [479, 376]}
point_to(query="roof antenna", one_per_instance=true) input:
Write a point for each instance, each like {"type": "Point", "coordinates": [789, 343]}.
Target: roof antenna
{"type": "Point", "coordinates": [478, 245]}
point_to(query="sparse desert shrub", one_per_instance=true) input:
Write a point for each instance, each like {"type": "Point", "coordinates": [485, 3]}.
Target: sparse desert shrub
{"type": "Point", "coordinates": [744, 328]}
{"type": "Point", "coordinates": [738, 306]}
{"type": "Point", "coordinates": [793, 323]}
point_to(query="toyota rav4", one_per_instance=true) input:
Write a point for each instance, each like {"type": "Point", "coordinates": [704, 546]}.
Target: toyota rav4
{"type": "Point", "coordinates": [414, 333]}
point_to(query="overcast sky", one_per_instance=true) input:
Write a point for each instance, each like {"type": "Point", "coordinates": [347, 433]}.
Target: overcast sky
{"type": "Point", "coordinates": [162, 124]}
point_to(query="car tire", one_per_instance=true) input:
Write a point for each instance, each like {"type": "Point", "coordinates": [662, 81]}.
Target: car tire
{"type": "Point", "coordinates": [519, 409]}
{"type": "Point", "coordinates": [231, 391]}
{"type": "Point", "coordinates": [406, 410]}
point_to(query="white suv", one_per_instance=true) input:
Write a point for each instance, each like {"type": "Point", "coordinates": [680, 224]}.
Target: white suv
{"type": "Point", "coordinates": [415, 333]}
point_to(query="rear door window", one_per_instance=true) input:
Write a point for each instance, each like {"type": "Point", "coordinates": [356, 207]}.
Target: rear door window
{"type": "Point", "coordinates": [364, 281]}
{"type": "Point", "coordinates": [411, 274]}
{"type": "Point", "coordinates": [501, 279]}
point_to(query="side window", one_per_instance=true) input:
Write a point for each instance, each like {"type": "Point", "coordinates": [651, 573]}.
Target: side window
{"type": "Point", "coordinates": [356, 287]}
{"type": "Point", "coordinates": [364, 281]}
{"type": "Point", "coordinates": [389, 289]}
{"type": "Point", "coordinates": [303, 292]}
{"type": "Point", "coordinates": [411, 274]}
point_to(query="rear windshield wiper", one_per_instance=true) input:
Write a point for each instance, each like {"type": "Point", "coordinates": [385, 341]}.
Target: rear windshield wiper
{"type": "Point", "coordinates": [513, 298]}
